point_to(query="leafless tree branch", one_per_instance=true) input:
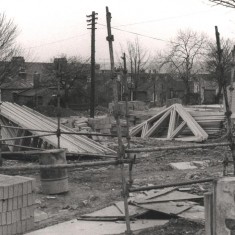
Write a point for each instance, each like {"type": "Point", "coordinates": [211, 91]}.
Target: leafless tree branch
{"type": "Point", "coordinates": [226, 3]}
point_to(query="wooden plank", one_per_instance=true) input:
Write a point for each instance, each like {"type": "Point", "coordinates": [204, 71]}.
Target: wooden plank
{"type": "Point", "coordinates": [171, 123]}
{"type": "Point", "coordinates": [208, 203]}
{"type": "Point", "coordinates": [178, 130]}
{"type": "Point", "coordinates": [156, 125]}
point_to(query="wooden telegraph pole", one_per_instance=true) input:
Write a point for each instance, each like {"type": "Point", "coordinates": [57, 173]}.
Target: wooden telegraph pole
{"type": "Point", "coordinates": [228, 112]}
{"type": "Point", "coordinates": [116, 113]}
{"type": "Point", "coordinates": [92, 92]}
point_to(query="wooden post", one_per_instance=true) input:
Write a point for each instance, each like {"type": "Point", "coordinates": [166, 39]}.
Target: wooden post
{"type": "Point", "coordinates": [208, 204]}
{"type": "Point", "coordinates": [116, 113]}
{"type": "Point", "coordinates": [58, 111]}
{"type": "Point", "coordinates": [127, 115]}
{"type": "Point", "coordinates": [228, 112]}
{"type": "Point", "coordinates": [92, 92]}
{"type": "Point", "coordinates": [59, 63]}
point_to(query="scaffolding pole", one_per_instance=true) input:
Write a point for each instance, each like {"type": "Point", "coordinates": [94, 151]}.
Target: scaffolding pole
{"type": "Point", "coordinates": [121, 153]}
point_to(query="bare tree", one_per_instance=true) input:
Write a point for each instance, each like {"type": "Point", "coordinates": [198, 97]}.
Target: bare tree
{"type": "Point", "coordinates": [226, 3]}
{"type": "Point", "coordinates": [212, 63]}
{"type": "Point", "coordinates": [74, 74]}
{"type": "Point", "coordinates": [137, 58]}
{"type": "Point", "coordinates": [185, 52]}
{"type": "Point", "coordinates": [8, 46]}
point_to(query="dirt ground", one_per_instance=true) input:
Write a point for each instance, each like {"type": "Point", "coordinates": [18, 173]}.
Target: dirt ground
{"type": "Point", "coordinates": [94, 188]}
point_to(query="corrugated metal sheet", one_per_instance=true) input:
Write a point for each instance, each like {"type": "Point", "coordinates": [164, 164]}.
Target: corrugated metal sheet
{"type": "Point", "coordinates": [27, 118]}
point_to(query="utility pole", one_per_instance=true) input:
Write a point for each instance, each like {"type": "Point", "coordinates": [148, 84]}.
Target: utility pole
{"type": "Point", "coordinates": [228, 112]}
{"type": "Point", "coordinates": [92, 91]}
{"type": "Point", "coordinates": [221, 77]}
{"type": "Point", "coordinates": [116, 113]}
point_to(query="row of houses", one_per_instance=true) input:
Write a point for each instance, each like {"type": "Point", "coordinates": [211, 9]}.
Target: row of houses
{"type": "Point", "coordinates": [31, 84]}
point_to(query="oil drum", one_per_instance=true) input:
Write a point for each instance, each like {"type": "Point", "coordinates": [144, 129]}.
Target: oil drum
{"type": "Point", "coordinates": [53, 181]}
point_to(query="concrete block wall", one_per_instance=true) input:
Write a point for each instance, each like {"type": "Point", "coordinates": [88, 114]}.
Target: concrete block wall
{"type": "Point", "coordinates": [101, 124]}
{"type": "Point", "coordinates": [16, 204]}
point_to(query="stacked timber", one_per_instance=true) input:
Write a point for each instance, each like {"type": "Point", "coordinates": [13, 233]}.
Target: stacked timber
{"type": "Point", "coordinates": [123, 125]}
{"type": "Point", "coordinates": [132, 105]}
{"type": "Point", "coordinates": [81, 125]}
{"type": "Point", "coordinates": [211, 122]}
{"type": "Point", "coordinates": [100, 124]}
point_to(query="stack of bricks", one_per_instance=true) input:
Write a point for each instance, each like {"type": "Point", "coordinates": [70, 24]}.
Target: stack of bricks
{"type": "Point", "coordinates": [16, 204]}
{"type": "Point", "coordinates": [101, 124]}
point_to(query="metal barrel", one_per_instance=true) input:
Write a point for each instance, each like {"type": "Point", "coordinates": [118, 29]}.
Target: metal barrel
{"type": "Point", "coordinates": [53, 181]}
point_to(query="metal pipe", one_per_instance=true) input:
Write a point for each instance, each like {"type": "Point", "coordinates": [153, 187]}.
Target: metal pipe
{"type": "Point", "coordinates": [20, 128]}
{"type": "Point", "coordinates": [21, 146]}
{"type": "Point", "coordinates": [62, 132]}
{"type": "Point", "coordinates": [155, 149]}
{"type": "Point", "coordinates": [25, 137]}
{"type": "Point", "coordinates": [170, 185]}
{"type": "Point", "coordinates": [89, 134]}
{"type": "Point", "coordinates": [61, 166]}
{"type": "Point", "coordinates": [91, 155]}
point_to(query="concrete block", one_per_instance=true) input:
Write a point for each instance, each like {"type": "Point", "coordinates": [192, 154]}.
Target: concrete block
{"type": "Point", "coordinates": [0, 206]}
{"type": "Point", "coordinates": [1, 230]}
{"type": "Point", "coordinates": [40, 215]}
{"type": "Point", "coordinates": [1, 193]}
{"type": "Point", "coordinates": [4, 218]}
{"type": "Point", "coordinates": [29, 211]}
{"type": "Point", "coordinates": [20, 189]}
{"type": "Point", "coordinates": [29, 224]}
{"type": "Point", "coordinates": [15, 203]}
{"type": "Point", "coordinates": [15, 190]}
{"type": "Point", "coordinates": [24, 226]}
{"type": "Point", "coordinates": [13, 228]}
{"type": "Point", "coordinates": [9, 204]}
{"type": "Point", "coordinates": [18, 227]}
{"type": "Point", "coordinates": [10, 191]}
{"type": "Point", "coordinates": [18, 216]}
{"type": "Point", "coordinates": [25, 187]}
{"type": "Point", "coordinates": [182, 165]}
{"type": "Point", "coordinates": [20, 202]}
{"type": "Point", "coordinates": [5, 191]}
{"type": "Point", "coordinates": [13, 216]}
{"type": "Point", "coordinates": [4, 230]}
{"type": "Point", "coordinates": [25, 200]}
{"type": "Point", "coordinates": [9, 221]}
{"type": "Point", "coordinates": [4, 205]}
{"type": "Point", "coordinates": [9, 229]}
{"type": "Point", "coordinates": [224, 194]}
{"type": "Point", "coordinates": [33, 185]}
{"type": "Point", "coordinates": [23, 213]}
{"type": "Point", "coordinates": [30, 199]}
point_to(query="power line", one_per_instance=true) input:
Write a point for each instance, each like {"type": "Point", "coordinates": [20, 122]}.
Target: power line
{"type": "Point", "coordinates": [58, 41]}
{"type": "Point", "coordinates": [162, 19]}
{"type": "Point", "coordinates": [139, 34]}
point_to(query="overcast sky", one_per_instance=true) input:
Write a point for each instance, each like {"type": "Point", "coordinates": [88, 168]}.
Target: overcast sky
{"type": "Point", "coordinates": [49, 28]}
